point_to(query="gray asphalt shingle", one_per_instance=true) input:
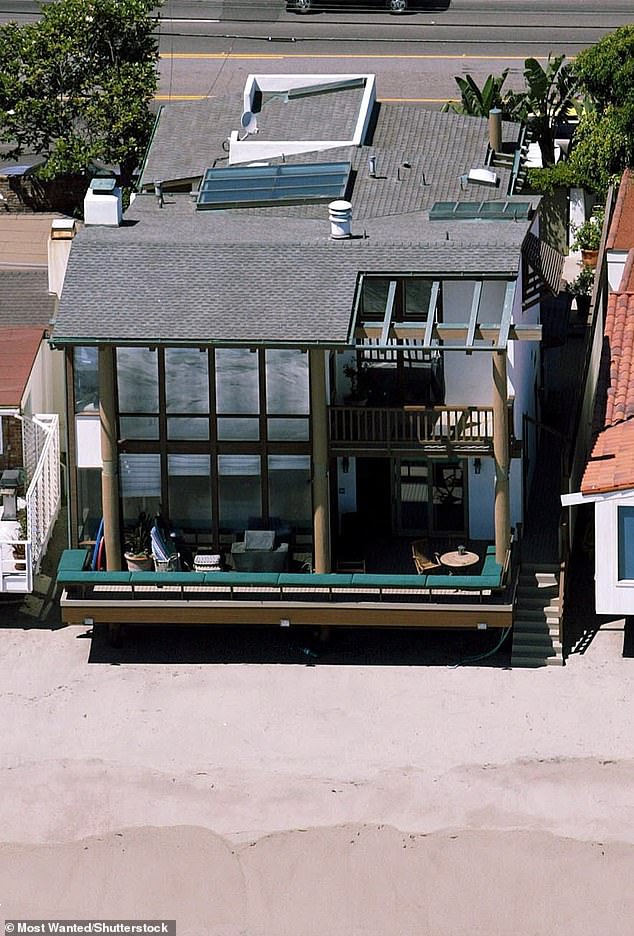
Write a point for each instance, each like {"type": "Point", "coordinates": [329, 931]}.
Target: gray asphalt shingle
{"type": "Point", "coordinates": [273, 274]}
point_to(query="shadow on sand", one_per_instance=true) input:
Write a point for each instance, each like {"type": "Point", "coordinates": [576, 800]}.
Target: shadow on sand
{"type": "Point", "coordinates": [301, 645]}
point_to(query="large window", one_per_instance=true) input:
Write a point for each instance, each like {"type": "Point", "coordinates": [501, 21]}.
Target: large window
{"type": "Point", "coordinates": [138, 389]}
{"type": "Point", "coordinates": [239, 491]}
{"type": "Point", "coordinates": [189, 489]}
{"type": "Point", "coordinates": [140, 486]}
{"type": "Point", "coordinates": [187, 393]}
{"type": "Point", "coordinates": [219, 438]}
{"type": "Point", "coordinates": [290, 491]}
{"type": "Point", "coordinates": [237, 394]}
{"type": "Point", "coordinates": [287, 395]}
{"type": "Point", "coordinates": [626, 543]}
{"type": "Point", "coordinates": [86, 379]}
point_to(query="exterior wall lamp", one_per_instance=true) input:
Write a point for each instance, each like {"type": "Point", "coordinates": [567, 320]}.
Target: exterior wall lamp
{"type": "Point", "coordinates": [477, 465]}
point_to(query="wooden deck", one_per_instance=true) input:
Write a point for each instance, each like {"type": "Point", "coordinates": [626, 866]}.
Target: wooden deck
{"type": "Point", "coordinates": [164, 609]}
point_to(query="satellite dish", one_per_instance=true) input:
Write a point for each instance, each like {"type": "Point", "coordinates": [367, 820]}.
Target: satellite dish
{"type": "Point", "coordinates": [248, 122]}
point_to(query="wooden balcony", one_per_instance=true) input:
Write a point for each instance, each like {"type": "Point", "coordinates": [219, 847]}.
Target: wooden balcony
{"type": "Point", "coordinates": [429, 430]}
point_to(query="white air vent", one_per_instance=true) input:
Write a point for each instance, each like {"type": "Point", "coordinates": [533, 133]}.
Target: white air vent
{"type": "Point", "coordinates": [483, 177]}
{"type": "Point", "coordinates": [340, 214]}
{"type": "Point", "coordinates": [103, 203]}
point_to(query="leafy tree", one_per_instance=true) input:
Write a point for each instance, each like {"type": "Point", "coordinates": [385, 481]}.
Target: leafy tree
{"type": "Point", "coordinates": [603, 144]}
{"type": "Point", "coordinates": [606, 70]}
{"type": "Point", "coordinates": [77, 85]}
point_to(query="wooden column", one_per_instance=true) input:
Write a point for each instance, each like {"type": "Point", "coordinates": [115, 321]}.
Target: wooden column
{"type": "Point", "coordinates": [501, 457]}
{"type": "Point", "coordinates": [109, 459]}
{"type": "Point", "coordinates": [321, 492]}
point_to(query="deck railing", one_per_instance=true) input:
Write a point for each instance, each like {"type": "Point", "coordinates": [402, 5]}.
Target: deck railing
{"type": "Point", "coordinates": [433, 428]}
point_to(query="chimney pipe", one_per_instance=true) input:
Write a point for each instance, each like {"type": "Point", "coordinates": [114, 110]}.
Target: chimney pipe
{"type": "Point", "coordinates": [495, 129]}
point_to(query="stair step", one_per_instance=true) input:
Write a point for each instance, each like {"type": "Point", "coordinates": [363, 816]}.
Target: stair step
{"type": "Point", "coordinates": [531, 598]}
{"type": "Point", "coordinates": [530, 662]}
{"type": "Point", "coordinates": [536, 643]}
{"type": "Point", "coordinates": [537, 615]}
{"type": "Point", "coordinates": [540, 567]}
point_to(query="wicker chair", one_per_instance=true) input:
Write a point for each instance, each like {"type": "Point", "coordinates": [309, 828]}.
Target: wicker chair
{"type": "Point", "coordinates": [421, 556]}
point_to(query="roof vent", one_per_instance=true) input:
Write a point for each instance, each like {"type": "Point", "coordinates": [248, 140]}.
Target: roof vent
{"type": "Point", "coordinates": [340, 214]}
{"type": "Point", "coordinates": [483, 177]}
{"type": "Point", "coordinates": [102, 202]}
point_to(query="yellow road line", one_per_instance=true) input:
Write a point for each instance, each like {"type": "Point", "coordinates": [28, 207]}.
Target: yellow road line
{"type": "Point", "coordinates": [181, 97]}
{"type": "Point", "coordinates": [354, 55]}
{"type": "Point", "coordinates": [385, 100]}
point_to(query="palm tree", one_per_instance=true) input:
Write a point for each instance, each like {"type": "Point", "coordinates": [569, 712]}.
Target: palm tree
{"type": "Point", "coordinates": [548, 98]}
{"type": "Point", "coordinates": [477, 102]}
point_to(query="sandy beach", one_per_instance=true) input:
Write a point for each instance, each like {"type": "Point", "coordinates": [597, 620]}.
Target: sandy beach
{"type": "Point", "coordinates": [276, 798]}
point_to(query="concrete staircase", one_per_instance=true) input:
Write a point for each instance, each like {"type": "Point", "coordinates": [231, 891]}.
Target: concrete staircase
{"type": "Point", "coordinates": [536, 619]}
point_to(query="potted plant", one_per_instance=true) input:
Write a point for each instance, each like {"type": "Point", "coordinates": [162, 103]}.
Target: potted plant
{"type": "Point", "coordinates": [358, 377]}
{"type": "Point", "coordinates": [588, 238]}
{"type": "Point", "coordinates": [581, 289]}
{"type": "Point", "coordinates": [19, 549]}
{"type": "Point", "coordinates": [138, 545]}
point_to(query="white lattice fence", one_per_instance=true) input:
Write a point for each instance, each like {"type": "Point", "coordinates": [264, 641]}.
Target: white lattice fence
{"type": "Point", "coordinates": [41, 449]}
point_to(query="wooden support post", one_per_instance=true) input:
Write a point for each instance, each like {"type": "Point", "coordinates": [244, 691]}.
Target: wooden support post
{"type": "Point", "coordinates": [501, 457]}
{"type": "Point", "coordinates": [321, 492]}
{"type": "Point", "coordinates": [109, 459]}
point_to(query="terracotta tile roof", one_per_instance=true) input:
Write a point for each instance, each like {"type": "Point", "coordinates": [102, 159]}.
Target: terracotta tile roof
{"type": "Point", "coordinates": [621, 233]}
{"type": "Point", "coordinates": [627, 279]}
{"type": "Point", "coordinates": [611, 465]}
{"type": "Point", "coordinates": [18, 350]}
{"type": "Point", "coordinates": [619, 334]}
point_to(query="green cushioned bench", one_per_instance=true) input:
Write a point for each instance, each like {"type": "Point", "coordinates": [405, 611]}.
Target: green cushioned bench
{"type": "Point", "coordinates": [163, 578]}
{"type": "Point", "coordinates": [72, 572]}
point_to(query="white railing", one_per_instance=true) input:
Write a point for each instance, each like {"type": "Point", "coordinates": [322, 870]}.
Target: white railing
{"type": "Point", "coordinates": [40, 452]}
{"type": "Point", "coordinates": [44, 491]}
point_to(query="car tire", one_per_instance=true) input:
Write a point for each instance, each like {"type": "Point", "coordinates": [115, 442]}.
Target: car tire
{"type": "Point", "coordinates": [303, 6]}
{"type": "Point", "coordinates": [397, 6]}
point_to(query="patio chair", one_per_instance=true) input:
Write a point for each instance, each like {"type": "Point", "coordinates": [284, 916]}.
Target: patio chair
{"type": "Point", "coordinates": [421, 557]}
{"type": "Point", "coordinates": [165, 556]}
{"type": "Point", "coordinates": [258, 553]}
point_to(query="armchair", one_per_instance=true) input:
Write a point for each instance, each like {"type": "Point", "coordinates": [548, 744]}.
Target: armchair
{"type": "Point", "coordinates": [257, 553]}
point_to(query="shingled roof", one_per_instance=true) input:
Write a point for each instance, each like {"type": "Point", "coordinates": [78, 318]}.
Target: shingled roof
{"type": "Point", "coordinates": [273, 274]}
{"type": "Point", "coordinates": [24, 298]}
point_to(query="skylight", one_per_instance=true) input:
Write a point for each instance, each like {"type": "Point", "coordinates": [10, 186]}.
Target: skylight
{"type": "Point", "coordinates": [286, 183]}
{"type": "Point", "coordinates": [481, 211]}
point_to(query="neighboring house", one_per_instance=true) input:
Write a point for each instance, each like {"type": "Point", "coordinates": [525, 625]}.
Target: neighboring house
{"type": "Point", "coordinates": [31, 395]}
{"type": "Point", "coordinates": [608, 479]}
{"type": "Point", "coordinates": [321, 316]}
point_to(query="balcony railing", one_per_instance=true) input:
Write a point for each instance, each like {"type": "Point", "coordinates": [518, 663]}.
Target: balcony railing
{"type": "Point", "coordinates": [430, 429]}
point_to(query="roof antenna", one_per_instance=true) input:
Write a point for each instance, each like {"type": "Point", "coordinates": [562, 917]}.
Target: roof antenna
{"type": "Point", "coordinates": [249, 124]}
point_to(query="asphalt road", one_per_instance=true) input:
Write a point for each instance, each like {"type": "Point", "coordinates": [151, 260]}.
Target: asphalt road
{"type": "Point", "coordinates": [209, 46]}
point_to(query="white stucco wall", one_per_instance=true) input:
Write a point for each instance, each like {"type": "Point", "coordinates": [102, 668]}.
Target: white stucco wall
{"type": "Point", "coordinates": [616, 264]}
{"type": "Point", "coordinates": [612, 596]}
{"type": "Point", "coordinates": [481, 499]}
